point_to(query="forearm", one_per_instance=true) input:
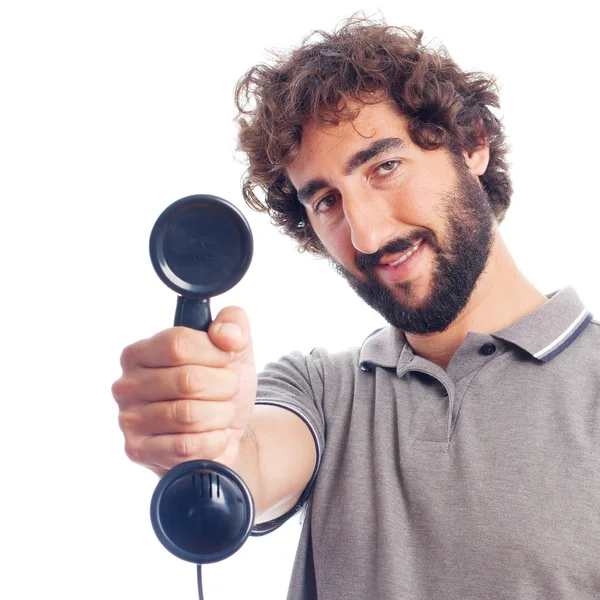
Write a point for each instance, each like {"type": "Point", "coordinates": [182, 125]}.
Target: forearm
{"type": "Point", "coordinates": [276, 460]}
{"type": "Point", "coordinates": [247, 466]}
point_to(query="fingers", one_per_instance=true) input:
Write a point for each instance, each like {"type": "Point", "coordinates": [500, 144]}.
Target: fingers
{"type": "Point", "coordinates": [166, 451]}
{"type": "Point", "coordinates": [186, 381]}
{"type": "Point", "coordinates": [230, 331]}
{"type": "Point", "coordinates": [178, 416]}
{"type": "Point", "coordinates": [182, 390]}
{"type": "Point", "coordinates": [174, 347]}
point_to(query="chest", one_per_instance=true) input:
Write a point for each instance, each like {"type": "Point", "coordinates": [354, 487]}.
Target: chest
{"type": "Point", "coordinates": [468, 483]}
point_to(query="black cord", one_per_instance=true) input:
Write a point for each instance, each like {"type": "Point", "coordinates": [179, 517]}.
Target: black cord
{"type": "Point", "coordinates": [200, 594]}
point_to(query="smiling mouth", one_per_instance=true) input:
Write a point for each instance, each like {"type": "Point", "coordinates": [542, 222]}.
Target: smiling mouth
{"type": "Point", "coordinates": [404, 257]}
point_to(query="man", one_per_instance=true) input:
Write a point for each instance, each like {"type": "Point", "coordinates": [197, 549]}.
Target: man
{"type": "Point", "coordinates": [456, 453]}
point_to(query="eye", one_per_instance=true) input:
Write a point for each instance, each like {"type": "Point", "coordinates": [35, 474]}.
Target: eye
{"type": "Point", "coordinates": [325, 203]}
{"type": "Point", "coordinates": [389, 166]}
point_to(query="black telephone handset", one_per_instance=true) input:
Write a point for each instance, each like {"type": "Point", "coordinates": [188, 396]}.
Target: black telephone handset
{"type": "Point", "coordinates": [201, 246]}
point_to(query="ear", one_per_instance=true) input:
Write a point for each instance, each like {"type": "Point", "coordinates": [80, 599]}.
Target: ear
{"type": "Point", "coordinates": [477, 161]}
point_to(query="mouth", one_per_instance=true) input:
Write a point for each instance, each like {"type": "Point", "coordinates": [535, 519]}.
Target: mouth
{"type": "Point", "coordinates": [404, 257]}
{"type": "Point", "coordinates": [403, 266]}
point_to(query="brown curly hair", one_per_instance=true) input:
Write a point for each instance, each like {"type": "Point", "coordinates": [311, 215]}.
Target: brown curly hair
{"type": "Point", "coordinates": [361, 60]}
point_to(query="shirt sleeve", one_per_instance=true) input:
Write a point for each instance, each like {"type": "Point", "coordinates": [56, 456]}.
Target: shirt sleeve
{"type": "Point", "coordinates": [295, 383]}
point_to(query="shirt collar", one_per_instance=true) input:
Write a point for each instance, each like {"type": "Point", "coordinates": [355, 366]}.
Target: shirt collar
{"type": "Point", "coordinates": [551, 328]}
{"type": "Point", "coordinates": [543, 334]}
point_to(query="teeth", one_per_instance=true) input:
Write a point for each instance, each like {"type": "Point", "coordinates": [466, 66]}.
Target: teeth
{"type": "Point", "coordinates": [406, 256]}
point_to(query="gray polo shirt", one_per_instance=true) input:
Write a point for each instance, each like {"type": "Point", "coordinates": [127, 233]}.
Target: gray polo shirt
{"type": "Point", "coordinates": [478, 482]}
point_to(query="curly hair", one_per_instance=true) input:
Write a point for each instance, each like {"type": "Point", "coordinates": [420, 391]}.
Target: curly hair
{"type": "Point", "coordinates": [323, 78]}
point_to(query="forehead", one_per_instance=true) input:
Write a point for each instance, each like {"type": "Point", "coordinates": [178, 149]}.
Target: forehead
{"type": "Point", "coordinates": [324, 143]}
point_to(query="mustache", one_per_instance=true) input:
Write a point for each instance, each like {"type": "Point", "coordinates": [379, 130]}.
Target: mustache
{"type": "Point", "coordinates": [366, 262]}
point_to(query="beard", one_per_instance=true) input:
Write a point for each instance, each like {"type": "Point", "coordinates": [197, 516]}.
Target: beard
{"type": "Point", "coordinates": [456, 269]}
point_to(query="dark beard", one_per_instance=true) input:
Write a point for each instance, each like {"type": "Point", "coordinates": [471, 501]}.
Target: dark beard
{"type": "Point", "coordinates": [456, 269]}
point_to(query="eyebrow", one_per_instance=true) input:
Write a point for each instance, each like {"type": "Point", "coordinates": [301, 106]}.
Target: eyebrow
{"type": "Point", "coordinates": [375, 149]}
{"type": "Point", "coordinates": [356, 160]}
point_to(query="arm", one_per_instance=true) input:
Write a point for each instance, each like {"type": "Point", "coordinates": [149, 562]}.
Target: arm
{"type": "Point", "coordinates": [277, 460]}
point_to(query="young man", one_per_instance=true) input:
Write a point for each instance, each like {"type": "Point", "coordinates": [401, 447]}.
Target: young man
{"type": "Point", "coordinates": [456, 453]}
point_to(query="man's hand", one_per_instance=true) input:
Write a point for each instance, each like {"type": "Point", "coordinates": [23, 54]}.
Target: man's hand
{"type": "Point", "coordinates": [186, 394]}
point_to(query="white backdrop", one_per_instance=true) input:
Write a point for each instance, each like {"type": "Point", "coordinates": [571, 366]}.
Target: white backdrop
{"type": "Point", "coordinates": [112, 110]}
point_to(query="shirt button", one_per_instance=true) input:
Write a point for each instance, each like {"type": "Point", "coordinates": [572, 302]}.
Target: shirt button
{"type": "Point", "coordinates": [487, 349]}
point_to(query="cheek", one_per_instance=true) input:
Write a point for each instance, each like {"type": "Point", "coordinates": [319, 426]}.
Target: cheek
{"type": "Point", "coordinates": [335, 235]}
{"type": "Point", "coordinates": [423, 199]}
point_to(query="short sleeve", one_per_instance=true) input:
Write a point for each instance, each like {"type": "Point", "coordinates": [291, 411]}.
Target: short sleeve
{"type": "Point", "coordinates": [295, 383]}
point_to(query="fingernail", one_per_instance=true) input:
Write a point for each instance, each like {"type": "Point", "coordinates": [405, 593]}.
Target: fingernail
{"type": "Point", "coordinates": [231, 331]}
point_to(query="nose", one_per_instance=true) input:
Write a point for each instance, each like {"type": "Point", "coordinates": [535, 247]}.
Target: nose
{"type": "Point", "coordinates": [370, 220]}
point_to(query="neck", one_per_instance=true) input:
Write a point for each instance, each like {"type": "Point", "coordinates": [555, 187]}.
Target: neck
{"type": "Point", "coordinates": [501, 297]}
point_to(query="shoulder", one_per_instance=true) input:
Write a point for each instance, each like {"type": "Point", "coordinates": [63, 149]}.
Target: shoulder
{"type": "Point", "coordinates": [317, 366]}
{"type": "Point", "coordinates": [381, 347]}
{"type": "Point", "coordinates": [595, 325]}
{"type": "Point", "coordinates": [590, 338]}
{"type": "Point", "coordinates": [580, 360]}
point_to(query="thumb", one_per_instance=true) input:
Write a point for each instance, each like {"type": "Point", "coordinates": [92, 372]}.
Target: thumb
{"type": "Point", "coordinates": [230, 331]}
